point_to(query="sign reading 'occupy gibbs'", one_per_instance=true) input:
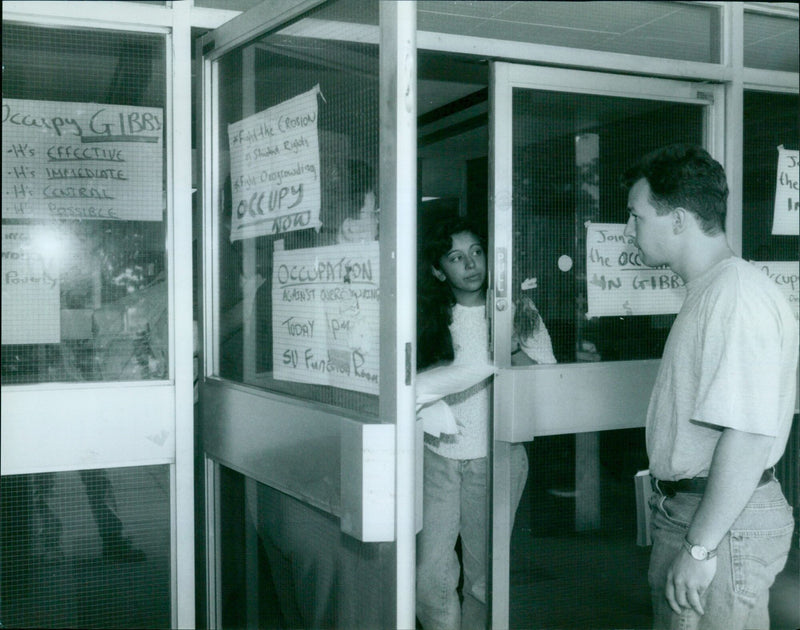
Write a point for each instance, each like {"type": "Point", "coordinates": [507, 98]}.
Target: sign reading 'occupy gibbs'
{"type": "Point", "coordinates": [325, 316]}
{"type": "Point", "coordinates": [619, 283]}
{"type": "Point", "coordinates": [66, 160]}
{"type": "Point", "coordinates": [275, 185]}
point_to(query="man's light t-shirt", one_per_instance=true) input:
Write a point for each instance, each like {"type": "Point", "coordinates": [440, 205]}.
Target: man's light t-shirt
{"type": "Point", "coordinates": [730, 361]}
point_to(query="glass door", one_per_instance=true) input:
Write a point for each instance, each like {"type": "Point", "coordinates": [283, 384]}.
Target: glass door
{"type": "Point", "coordinates": [308, 417]}
{"type": "Point", "coordinates": [93, 384]}
{"type": "Point", "coordinates": [565, 275]}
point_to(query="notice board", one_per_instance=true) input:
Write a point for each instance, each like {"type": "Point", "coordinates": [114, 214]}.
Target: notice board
{"type": "Point", "coordinates": [325, 316]}
{"type": "Point", "coordinates": [275, 178]}
{"type": "Point", "coordinates": [65, 160]}
{"type": "Point", "coordinates": [618, 283]}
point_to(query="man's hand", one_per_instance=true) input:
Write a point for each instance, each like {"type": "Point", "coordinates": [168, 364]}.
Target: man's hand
{"type": "Point", "coordinates": [687, 580]}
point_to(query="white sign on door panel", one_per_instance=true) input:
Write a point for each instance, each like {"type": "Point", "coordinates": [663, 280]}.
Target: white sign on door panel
{"type": "Point", "coordinates": [618, 283]}
{"type": "Point", "coordinates": [325, 316]}
{"type": "Point", "coordinates": [275, 178]}
{"type": "Point", "coordinates": [787, 198]}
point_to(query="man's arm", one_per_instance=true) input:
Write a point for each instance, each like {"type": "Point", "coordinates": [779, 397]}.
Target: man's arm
{"type": "Point", "coordinates": [736, 468]}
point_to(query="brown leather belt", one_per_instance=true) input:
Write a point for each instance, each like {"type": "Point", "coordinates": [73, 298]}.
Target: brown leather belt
{"type": "Point", "coordinates": [696, 485]}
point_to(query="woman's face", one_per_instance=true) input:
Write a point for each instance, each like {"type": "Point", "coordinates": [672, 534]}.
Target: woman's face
{"type": "Point", "coordinates": [464, 267]}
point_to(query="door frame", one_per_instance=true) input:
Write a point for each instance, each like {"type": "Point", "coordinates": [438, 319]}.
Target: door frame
{"type": "Point", "coordinates": [136, 423]}
{"type": "Point", "coordinates": [374, 459]}
{"type": "Point", "coordinates": [580, 398]}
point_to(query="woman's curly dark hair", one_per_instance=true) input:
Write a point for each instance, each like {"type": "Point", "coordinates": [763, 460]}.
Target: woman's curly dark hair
{"type": "Point", "coordinates": [435, 300]}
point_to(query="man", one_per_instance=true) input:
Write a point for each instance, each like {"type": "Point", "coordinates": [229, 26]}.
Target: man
{"type": "Point", "coordinates": [722, 405]}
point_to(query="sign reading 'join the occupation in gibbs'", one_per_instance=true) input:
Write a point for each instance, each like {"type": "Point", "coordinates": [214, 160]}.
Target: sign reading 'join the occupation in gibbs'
{"type": "Point", "coordinates": [325, 316]}
{"type": "Point", "coordinates": [275, 185]}
{"type": "Point", "coordinates": [619, 283]}
{"type": "Point", "coordinates": [65, 160]}
{"type": "Point", "coordinates": [787, 194]}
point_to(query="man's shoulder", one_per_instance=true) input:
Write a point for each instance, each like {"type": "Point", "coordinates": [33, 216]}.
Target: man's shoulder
{"type": "Point", "coordinates": [745, 286]}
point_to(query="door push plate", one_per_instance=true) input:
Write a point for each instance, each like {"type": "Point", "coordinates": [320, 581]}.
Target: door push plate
{"type": "Point", "coordinates": [501, 275]}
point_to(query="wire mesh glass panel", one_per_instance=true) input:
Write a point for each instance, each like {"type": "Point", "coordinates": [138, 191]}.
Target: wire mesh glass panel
{"type": "Point", "coordinates": [653, 29]}
{"type": "Point", "coordinates": [569, 209]}
{"type": "Point", "coordinates": [86, 549]}
{"type": "Point", "coordinates": [297, 270]}
{"type": "Point", "coordinates": [771, 143]}
{"type": "Point", "coordinates": [84, 215]}
{"type": "Point", "coordinates": [771, 220]}
{"type": "Point", "coordinates": [575, 562]}
{"type": "Point", "coordinates": [771, 42]}
{"type": "Point", "coordinates": [304, 572]}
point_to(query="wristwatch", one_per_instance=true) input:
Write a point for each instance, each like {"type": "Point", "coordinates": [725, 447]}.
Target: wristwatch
{"type": "Point", "coordinates": [698, 552]}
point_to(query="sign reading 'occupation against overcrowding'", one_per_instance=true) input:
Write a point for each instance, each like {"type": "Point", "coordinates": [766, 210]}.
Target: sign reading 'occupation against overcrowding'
{"type": "Point", "coordinates": [787, 194]}
{"type": "Point", "coordinates": [325, 316]}
{"type": "Point", "coordinates": [786, 275]}
{"type": "Point", "coordinates": [65, 160]}
{"type": "Point", "coordinates": [31, 291]}
{"type": "Point", "coordinates": [619, 283]}
{"type": "Point", "coordinates": [275, 184]}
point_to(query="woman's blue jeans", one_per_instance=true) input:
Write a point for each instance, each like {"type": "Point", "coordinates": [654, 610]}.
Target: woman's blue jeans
{"type": "Point", "coordinates": [455, 503]}
{"type": "Point", "coordinates": [749, 557]}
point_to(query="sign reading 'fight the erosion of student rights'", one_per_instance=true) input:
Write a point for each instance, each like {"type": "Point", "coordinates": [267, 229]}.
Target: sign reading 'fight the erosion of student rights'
{"type": "Point", "coordinates": [786, 220]}
{"type": "Point", "coordinates": [66, 160]}
{"type": "Point", "coordinates": [325, 316]}
{"type": "Point", "coordinates": [275, 169]}
{"type": "Point", "coordinates": [619, 283]}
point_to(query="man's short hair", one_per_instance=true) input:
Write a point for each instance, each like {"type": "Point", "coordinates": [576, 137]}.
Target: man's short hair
{"type": "Point", "coordinates": [685, 176]}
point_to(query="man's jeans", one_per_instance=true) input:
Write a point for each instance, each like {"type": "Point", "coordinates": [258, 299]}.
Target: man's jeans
{"type": "Point", "coordinates": [749, 557]}
{"type": "Point", "coordinates": [455, 502]}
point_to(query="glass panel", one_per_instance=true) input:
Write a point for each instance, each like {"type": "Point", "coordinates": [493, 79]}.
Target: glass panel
{"type": "Point", "coordinates": [771, 42]}
{"type": "Point", "coordinates": [297, 224]}
{"type": "Point", "coordinates": [569, 153]}
{"type": "Point", "coordinates": [299, 568]}
{"type": "Point", "coordinates": [770, 122]}
{"type": "Point", "coordinates": [654, 29]}
{"type": "Point", "coordinates": [86, 549]}
{"type": "Point", "coordinates": [574, 558]}
{"type": "Point", "coordinates": [84, 215]}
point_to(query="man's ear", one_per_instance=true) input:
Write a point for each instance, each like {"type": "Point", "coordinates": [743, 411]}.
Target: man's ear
{"type": "Point", "coordinates": [438, 274]}
{"type": "Point", "coordinates": [680, 220]}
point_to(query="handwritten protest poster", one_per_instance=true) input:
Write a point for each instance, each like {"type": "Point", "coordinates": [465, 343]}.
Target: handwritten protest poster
{"type": "Point", "coordinates": [619, 283]}
{"type": "Point", "coordinates": [786, 275]}
{"type": "Point", "coordinates": [31, 291]}
{"type": "Point", "coordinates": [66, 160]}
{"type": "Point", "coordinates": [325, 316]}
{"type": "Point", "coordinates": [275, 169]}
{"type": "Point", "coordinates": [787, 194]}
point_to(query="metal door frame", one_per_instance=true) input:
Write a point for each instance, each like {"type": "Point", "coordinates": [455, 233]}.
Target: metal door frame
{"type": "Point", "coordinates": [394, 436]}
{"type": "Point", "coordinates": [136, 423]}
